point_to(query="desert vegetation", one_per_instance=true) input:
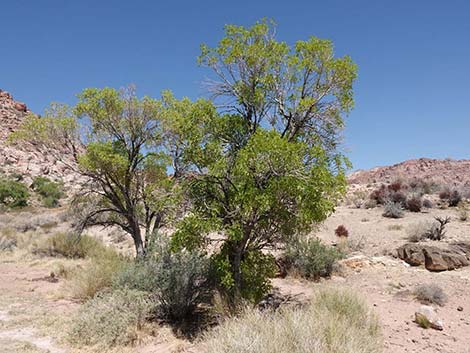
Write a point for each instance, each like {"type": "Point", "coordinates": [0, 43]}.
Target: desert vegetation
{"type": "Point", "coordinates": [204, 217]}
{"type": "Point", "coordinates": [211, 193]}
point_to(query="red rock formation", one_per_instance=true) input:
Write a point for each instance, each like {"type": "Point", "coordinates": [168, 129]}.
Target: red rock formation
{"type": "Point", "coordinates": [448, 171]}
{"type": "Point", "coordinates": [25, 159]}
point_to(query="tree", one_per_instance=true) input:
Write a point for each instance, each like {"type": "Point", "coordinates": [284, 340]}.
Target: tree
{"type": "Point", "coordinates": [274, 168]}
{"type": "Point", "coordinates": [116, 141]}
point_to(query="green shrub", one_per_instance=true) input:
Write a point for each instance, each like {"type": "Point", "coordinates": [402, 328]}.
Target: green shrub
{"type": "Point", "coordinates": [110, 319]}
{"type": "Point", "coordinates": [178, 281]}
{"type": "Point", "coordinates": [50, 191]}
{"type": "Point", "coordinates": [13, 194]}
{"type": "Point", "coordinates": [97, 275]}
{"type": "Point", "coordinates": [335, 321]}
{"type": "Point", "coordinates": [255, 271]}
{"type": "Point", "coordinates": [309, 258]}
{"type": "Point", "coordinates": [69, 246]}
{"type": "Point", "coordinates": [392, 210]}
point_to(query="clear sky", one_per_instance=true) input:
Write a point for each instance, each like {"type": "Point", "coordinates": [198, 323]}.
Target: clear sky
{"type": "Point", "coordinates": [412, 95]}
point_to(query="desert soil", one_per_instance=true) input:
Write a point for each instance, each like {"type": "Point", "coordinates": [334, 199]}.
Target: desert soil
{"type": "Point", "coordinates": [34, 313]}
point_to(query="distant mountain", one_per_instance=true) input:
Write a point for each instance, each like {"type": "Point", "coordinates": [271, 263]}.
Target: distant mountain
{"type": "Point", "coordinates": [448, 171]}
{"type": "Point", "coordinates": [25, 159]}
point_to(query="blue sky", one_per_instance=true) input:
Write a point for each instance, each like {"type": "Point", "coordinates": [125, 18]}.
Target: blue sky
{"type": "Point", "coordinates": [412, 94]}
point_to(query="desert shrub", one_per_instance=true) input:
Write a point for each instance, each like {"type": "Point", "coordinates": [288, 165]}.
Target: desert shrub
{"type": "Point", "coordinates": [7, 241]}
{"type": "Point", "coordinates": [368, 204]}
{"type": "Point", "coordinates": [430, 294]}
{"type": "Point", "coordinates": [178, 281]}
{"type": "Point", "coordinates": [335, 321]}
{"type": "Point", "coordinates": [13, 194]}
{"type": "Point", "coordinates": [341, 231]}
{"type": "Point", "coordinates": [398, 197]}
{"type": "Point", "coordinates": [423, 187]}
{"type": "Point", "coordinates": [309, 258]}
{"type": "Point", "coordinates": [355, 244]}
{"type": "Point", "coordinates": [68, 245]}
{"type": "Point", "coordinates": [396, 186]}
{"type": "Point", "coordinates": [380, 195]}
{"type": "Point", "coordinates": [97, 275]}
{"type": "Point", "coordinates": [357, 198]}
{"type": "Point", "coordinates": [392, 210]}
{"type": "Point", "coordinates": [437, 230]}
{"type": "Point", "coordinates": [463, 210]}
{"type": "Point", "coordinates": [414, 204]}
{"type": "Point", "coordinates": [50, 191]}
{"type": "Point", "coordinates": [465, 192]}
{"type": "Point", "coordinates": [454, 198]}
{"type": "Point", "coordinates": [427, 203]}
{"type": "Point", "coordinates": [110, 319]}
{"type": "Point", "coordinates": [417, 232]}
{"type": "Point", "coordinates": [395, 227]}
{"type": "Point", "coordinates": [444, 194]}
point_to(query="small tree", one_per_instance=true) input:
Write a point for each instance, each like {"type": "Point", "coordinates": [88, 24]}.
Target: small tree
{"type": "Point", "coordinates": [115, 140]}
{"type": "Point", "coordinates": [272, 168]}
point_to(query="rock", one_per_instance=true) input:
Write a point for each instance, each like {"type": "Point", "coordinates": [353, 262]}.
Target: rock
{"type": "Point", "coordinates": [444, 259]}
{"type": "Point", "coordinates": [20, 106]}
{"type": "Point", "coordinates": [459, 308]}
{"type": "Point", "coordinates": [412, 254]}
{"type": "Point", "coordinates": [435, 258]}
{"type": "Point", "coordinates": [28, 159]}
{"type": "Point", "coordinates": [427, 314]}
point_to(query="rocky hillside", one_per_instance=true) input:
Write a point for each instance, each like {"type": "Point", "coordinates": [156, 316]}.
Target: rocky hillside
{"type": "Point", "coordinates": [451, 172]}
{"type": "Point", "coordinates": [27, 160]}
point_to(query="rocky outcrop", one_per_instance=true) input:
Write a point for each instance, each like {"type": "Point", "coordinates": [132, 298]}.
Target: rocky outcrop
{"type": "Point", "coordinates": [426, 317]}
{"type": "Point", "coordinates": [26, 159]}
{"type": "Point", "coordinates": [436, 258]}
{"type": "Point", "coordinates": [448, 171]}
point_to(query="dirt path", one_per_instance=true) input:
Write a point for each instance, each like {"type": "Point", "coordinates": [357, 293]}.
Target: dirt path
{"type": "Point", "coordinates": [25, 308]}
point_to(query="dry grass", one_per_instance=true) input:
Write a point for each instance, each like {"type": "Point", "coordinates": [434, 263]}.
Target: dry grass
{"type": "Point", "coordinates": [430, 294]}
{"type": "Point", "coordinates": [335, 321]}
{"type": "Point", "coordinates": [110, 319]}
{"type": "Point", "coordinates": [97, 275]}
{"type": "Point", "coordinates": [395, 227]}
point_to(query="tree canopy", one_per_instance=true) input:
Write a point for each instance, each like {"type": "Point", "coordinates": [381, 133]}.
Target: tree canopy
{"type": "Point", "coordinates": [259, 164]}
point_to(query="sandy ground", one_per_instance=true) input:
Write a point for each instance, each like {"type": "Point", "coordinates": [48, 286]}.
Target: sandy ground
{"type": "Point", "coordinates": [33, 313]}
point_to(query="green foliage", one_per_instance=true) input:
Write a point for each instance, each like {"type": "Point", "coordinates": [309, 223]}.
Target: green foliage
{"type": "Point", "coordinates": [50, 191]}
{"type": "Point", "coordinates": [13, 194]}
{"type": "Point", "coordinates": [111, 319]}
{"type": "Point", "coordinates": [177, 281]}
{"type": "Point", "coordinates": [309, 258]}
{"type": "Point", "coordinates": [256, 268]}
{"type": "Point", "coordinates": [257, 184]}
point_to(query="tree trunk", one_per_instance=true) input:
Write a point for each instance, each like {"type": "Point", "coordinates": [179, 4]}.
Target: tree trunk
{"type": "Point", "coordinates": [137, 236]}
{"type": "Point", "coordinates": [139, 246]}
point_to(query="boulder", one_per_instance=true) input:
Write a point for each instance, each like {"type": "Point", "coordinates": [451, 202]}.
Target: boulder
{"type": "Point", "coordinates": [444, 259]}
{"type": "Point", "coordinates": [435, 258]}
{"type": "Point", "coordinates": [426, 314]}
{"type": "Point", "coordinates": [412, 254]}
{"type": "Point", "coordinates": [20, 106]}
